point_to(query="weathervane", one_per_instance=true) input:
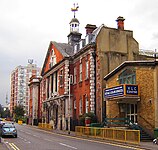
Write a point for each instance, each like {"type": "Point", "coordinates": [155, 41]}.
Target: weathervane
{"type": "Point", "coordinates": [75, 9]}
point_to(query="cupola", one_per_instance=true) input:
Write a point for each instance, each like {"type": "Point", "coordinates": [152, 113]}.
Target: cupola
{"type": "Point", "coordinates": [74, 25]}
{"type": "Point", "coordinates": [74, 36]}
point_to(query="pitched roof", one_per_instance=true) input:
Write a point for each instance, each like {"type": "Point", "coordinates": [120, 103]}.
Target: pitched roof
{"type": "Point", "coordinates": [96, 32]}
{"type": "Point", "coordinates": [65, 49]}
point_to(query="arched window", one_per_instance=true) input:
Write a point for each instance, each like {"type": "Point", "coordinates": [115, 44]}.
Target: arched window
{"type": "Point", "coordinates": [128, 76]}
{"type": "Point", "coordinates": [53, 58]}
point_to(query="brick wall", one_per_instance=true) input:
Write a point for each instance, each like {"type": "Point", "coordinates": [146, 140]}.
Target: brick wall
{"type": "Point", "coordinates": [146, 105]}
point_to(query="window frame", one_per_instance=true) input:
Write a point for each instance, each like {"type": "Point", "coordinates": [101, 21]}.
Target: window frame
{"type": "Point", "coordinates": [80, 72]}
{"type": "Point", "coordinates": [75, 75]}
{"type": "Point", "coordinates": [87, 70]}
{"type": "Point", "coordinates": [128, 76]}
{"type": "Point", "coordinates": [80, 106]}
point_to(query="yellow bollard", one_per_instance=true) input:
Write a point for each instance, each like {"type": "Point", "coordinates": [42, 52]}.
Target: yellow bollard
{"type": "Point", "coordinates": [19, 122]}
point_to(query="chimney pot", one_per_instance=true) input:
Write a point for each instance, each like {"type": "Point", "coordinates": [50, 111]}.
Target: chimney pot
{"type": "Point", "coordinates": [90, 28]}
{"type": "Point", "coordinates": [120, 23]}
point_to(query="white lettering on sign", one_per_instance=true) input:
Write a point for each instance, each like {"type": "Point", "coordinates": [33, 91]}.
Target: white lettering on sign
{"type": "Point", "coordinates": [132, 90]}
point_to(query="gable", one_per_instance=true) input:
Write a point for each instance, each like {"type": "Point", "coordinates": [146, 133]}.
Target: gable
{"type": "Point", "coordinates": [53, 57]}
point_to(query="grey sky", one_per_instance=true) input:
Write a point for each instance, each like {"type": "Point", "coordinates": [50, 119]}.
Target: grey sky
{"type": "Point", "coordinates": [27, 27]}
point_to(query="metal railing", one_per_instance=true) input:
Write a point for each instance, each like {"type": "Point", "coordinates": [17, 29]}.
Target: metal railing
{"type": "Point", "coordinates": [117, 121]}
{"type": "Point", "coordinates": [121, 135]}
{"type": "Point", "coordinates": [44, 126]}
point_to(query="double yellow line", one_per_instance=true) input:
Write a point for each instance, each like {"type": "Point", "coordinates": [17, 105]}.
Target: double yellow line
{"type": "Point", "coordinates": [13, 146]}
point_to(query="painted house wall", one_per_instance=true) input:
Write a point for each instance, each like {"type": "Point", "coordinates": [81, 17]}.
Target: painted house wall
{"type": "Point", "coordinates": [113, 47]}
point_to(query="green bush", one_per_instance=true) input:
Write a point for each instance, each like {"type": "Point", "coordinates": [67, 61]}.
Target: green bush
{"type": "Point", "coordinates": [92, 116]}
{"type": "Point", "coordinates": [21, 118]}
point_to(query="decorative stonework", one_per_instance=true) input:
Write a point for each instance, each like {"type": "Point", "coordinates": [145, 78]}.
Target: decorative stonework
{"type": "Point", "coordinates": [92, 84]}
{"type": "Point", "coordinates": [66, 81]}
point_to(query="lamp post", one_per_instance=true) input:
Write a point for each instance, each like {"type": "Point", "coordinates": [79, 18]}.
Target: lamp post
{"type": "Point", "coordinates": [69, 118]}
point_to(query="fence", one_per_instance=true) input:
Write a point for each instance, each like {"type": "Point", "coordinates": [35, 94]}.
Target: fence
{"type": "Point", "coordinates": [121, 135]}
{"type": "Point", "coordinates": [44, 126]}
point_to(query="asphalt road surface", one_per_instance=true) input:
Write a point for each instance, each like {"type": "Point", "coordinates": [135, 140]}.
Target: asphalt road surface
{"type": "Point", "coordinates": [30, 138]}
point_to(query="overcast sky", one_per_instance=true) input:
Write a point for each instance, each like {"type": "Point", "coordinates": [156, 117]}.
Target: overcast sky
{"type": "Point", "coordinates": [27, 27]}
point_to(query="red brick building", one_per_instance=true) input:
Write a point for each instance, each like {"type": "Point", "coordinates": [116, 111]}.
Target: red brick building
{"type": "Point", "coordinates": [69, 66]}
{"type": "Point", "coordinates": [81, 66]}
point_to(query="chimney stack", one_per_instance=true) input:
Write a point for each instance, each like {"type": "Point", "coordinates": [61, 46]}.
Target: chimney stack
{"type": "Point", "coordinates": [120, 23]}
{"type": "Point", "coordinates": [90, 28]}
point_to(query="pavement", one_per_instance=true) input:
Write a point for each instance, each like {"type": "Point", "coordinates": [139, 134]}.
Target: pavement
{"type": "Point", "coordinates": [3, 145]}
{"type": "Point", "coordinates": [142, 146]}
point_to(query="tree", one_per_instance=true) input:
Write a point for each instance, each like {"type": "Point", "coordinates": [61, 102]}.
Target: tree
{"type": "Point", "coordinates": [1, 111]}
{"type": "Point", "coordinates": [18, 112]}
{"type": "Point", "coordinates": [4, 112]}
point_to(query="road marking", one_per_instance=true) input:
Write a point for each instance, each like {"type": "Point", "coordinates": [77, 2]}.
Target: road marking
{"type": "Point", "coordinates": [25, 140]}
{"type": "Point", "coordinates": [48, 140]}
{"type": "Point", "coordinates": [21, 137]}
{"type": "Point", "coordinates": [67, 146]}
{"type": "Point", "coordinates": [13, 146]}
{"type": "Point", "coordinates": [25, 132]}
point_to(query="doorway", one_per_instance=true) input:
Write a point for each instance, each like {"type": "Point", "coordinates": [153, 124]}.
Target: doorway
{"type": "Point", "coordinates": [132, 112]}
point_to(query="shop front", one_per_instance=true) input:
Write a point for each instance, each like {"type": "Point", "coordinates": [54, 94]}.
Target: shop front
{"type": "Point", "coordinates": [132, 92]}
{"type": "Point", "coordinates": [122, 101]}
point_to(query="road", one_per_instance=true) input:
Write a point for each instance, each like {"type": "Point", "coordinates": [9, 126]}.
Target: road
{"type": "Point", "coordinates": [30, 138]}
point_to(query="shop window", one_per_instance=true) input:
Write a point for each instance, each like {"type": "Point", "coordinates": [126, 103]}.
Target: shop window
{"type": "Point", "coordinates": [128, 76]}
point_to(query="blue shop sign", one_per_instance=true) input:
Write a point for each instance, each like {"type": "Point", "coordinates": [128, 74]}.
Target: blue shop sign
{"type": "Point", "coordinates": [114, 91]}
{"type": "Point", "coordinates": [132, 89]}
{"type": "Point", "coordinates": [122, 90]}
